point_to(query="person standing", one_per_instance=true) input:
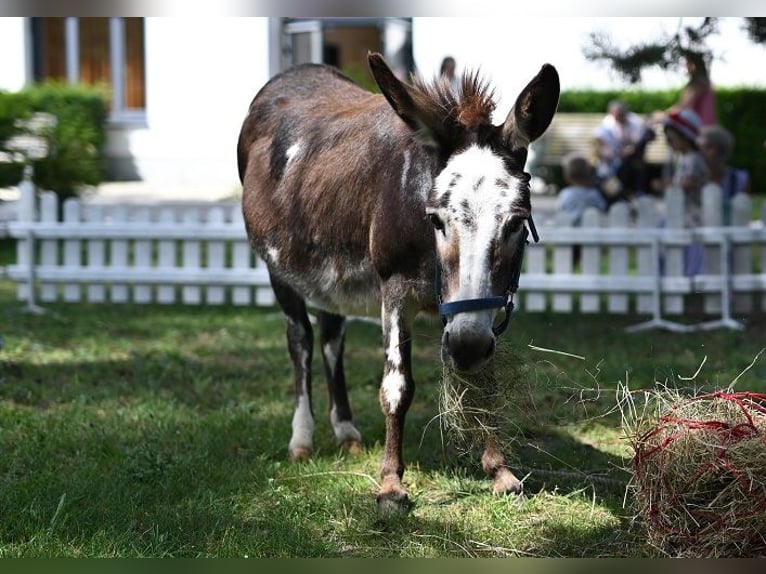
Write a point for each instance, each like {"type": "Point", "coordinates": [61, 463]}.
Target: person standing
{"type": "Point", "coordinates": [621, 140]}
{"type": "Point", "coordinates": [716, 145]}
{"type": "Point", "coordinates": [447, 73]}
{"type": "Point", "coordinates": [698, 95]}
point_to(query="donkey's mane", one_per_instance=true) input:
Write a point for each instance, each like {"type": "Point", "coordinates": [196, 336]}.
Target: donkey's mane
{"type": "Point", "coordinates": [471, 105]}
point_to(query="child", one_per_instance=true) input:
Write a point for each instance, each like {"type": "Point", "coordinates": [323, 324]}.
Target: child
{"type": "Point", "coordinates": [716, 145]}
{"type": "Point", "coordinates": [687, 171]}
{"type": "Point", "coordinates": [580, 193]}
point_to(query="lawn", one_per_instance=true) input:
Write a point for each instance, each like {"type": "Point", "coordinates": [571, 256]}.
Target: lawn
{"type": "Point", "coordinates": [162, 431]}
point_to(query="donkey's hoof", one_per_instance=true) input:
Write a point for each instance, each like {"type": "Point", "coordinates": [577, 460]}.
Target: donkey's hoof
{"type": "Point", "coordinates": [505, 482]}
{"type": "Point", "coordinates": [353, 447]}
{"type": "Point", "coordinates": [393, 504]}
{"type": "Point", "coordinates": [300, 453]}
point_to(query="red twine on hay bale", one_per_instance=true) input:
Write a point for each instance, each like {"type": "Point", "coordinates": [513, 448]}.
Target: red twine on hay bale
{"type": "Point", "coordinates": [669, 506]}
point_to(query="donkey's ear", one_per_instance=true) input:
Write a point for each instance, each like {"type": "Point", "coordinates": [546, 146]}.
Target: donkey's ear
{"type": "Point", "coordinates": [534, 108]}
{"type": "Point", "coordinates": [409, 104]}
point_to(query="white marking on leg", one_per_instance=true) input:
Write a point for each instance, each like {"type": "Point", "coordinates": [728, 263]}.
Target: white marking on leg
{"type": "Point", "coordinates": [393, 355]}
{"type": "Point", "coordinates": [393, 388]}
{"type": "Point", "coordinates": [331, 350]}
{"type": "Point", "coordinates": [344, 430]}
{"type": "Point", "coordinates": [303, 425]}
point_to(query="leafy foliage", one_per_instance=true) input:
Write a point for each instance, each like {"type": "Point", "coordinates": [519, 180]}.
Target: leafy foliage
{"type": "Point", "coordinates": [75, 142]}
{"type": "Point", "coordinates": [756, 29]}
{"type": "Point", "coordinates": [668, 52]}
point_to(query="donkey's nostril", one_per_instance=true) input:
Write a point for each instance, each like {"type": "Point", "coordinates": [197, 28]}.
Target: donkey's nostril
{"type": "Point", "coordinates": [468, 352]}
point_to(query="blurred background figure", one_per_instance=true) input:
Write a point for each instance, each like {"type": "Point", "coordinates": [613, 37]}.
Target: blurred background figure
{"type": "Point", "coordinates": [447, 72]}
{"type": "Point", "coordinates": [581, 192]}
{"type": "Point", "coordinates": [698, 95]}
{"type": "Point", "coordinates": [621, 141]}
{"type": "Point", "coordinates": [716, 145]}
{"type": "Point", "coordinates": [688, 171]}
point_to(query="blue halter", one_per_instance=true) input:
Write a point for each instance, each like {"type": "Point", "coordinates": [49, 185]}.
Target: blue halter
{"type": "Point", "coordinates": [504, 302]}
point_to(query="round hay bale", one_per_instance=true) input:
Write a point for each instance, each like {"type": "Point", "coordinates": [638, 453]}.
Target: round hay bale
{"type": "Point", "coordinates": [700, 475]}
{"type": "Point", "coordinates": [477, 405]}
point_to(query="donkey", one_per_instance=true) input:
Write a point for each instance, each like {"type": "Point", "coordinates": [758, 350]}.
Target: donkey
{"type": "Point", "coordinates": [395, 204]}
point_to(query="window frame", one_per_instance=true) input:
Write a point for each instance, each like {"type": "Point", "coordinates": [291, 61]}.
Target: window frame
{"type": "Point", "coordinates": [118, 114]}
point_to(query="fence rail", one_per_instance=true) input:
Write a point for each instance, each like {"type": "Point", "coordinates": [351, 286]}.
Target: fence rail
{"type": "Point", "coordinates": [629, 260]}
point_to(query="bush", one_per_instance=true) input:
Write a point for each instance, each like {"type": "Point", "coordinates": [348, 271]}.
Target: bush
{"type": "Point", "coordinates": [740, 110]}
{"type": "Point", "coordinates": [75, 143]}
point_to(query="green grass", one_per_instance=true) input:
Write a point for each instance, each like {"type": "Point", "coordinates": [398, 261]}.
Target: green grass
{"type": "Point", "coordinates": [163, 430]}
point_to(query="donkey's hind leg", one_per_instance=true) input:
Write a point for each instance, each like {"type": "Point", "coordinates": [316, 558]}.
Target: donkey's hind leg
{"type": "Point", "coordinates": [300, 342]}
{"type": "Point", "coordinates": [332, 331]}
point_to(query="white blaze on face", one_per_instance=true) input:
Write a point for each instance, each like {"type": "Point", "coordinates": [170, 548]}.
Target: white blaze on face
{"type": "Point", "coordinates": [478, 188]}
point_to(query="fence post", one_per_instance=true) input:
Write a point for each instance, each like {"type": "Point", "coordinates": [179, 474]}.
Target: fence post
{"type": "Point", "coordinates": [762, 248]}
{"type": "Point", "coordinates": [96, 250]}
{"type": "Point", "coordinates": [619, 218]}
{"type": "Point", "coordinates": [72, 249]}
{"type": "Point", "coordinates": [142, 293]}
{"type": "Point", "coordinates": [712, 216]}
{"type": "Point", "coordinates": [25, 249]}
{"type": "Point", "coordinates": [119, 292]}
{"type": "Point", "coordinates": [216, 258]}
{"type": "Point", "coordinates": [242, 256]}
{"type": "Point", "coordinates": [590, 261]}
{"type": "Point", "coordinates": [742, 254]}
{"type": "Point", "coordinates": [191, 257]}
{"type": "Point", "coordinates": [166, 294]}
{"type": "Point", "coordinates": [563, 256]}
{"type": "Point", "coordinates": [647, 218]}
{"type": "Point", "coordinates": [674, 254]}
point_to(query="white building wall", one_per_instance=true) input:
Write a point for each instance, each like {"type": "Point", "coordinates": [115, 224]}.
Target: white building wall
{"type": "Point", "coordinates": [13, 54]}
{"type": "Point", "coordinates": [201, 74]}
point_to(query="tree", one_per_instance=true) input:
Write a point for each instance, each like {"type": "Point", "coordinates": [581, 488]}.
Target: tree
{"type": "Point", "coordinates": [668, 51]}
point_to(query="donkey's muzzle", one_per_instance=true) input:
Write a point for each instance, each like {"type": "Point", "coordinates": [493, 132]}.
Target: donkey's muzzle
{"type": "Point", "coordinates": [467, 351]}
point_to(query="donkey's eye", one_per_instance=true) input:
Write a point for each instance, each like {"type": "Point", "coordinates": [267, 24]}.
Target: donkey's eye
{"type": "Point", "coordinates": [513, 225]}
{"type": "Point", "coordinates": [436, 221]}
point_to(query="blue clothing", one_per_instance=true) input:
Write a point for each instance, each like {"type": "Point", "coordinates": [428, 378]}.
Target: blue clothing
{"type": "Point", "coordinates": [734, 181]}
{"type": "Point", "coordinates": [575, 199]}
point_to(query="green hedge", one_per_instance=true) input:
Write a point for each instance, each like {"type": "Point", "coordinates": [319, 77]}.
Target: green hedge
{"type": "Point", "coordinates": [741, 110]}
{"type": "Point", "coordinates": [75, 143]}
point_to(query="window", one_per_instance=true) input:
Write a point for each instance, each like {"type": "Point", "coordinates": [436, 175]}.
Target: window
{"type": "Point", "coordinates": [94, 51]}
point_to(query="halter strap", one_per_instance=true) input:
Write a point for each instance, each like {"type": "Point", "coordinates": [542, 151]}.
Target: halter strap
{"type": "Point", "coordinates": [504, 302]}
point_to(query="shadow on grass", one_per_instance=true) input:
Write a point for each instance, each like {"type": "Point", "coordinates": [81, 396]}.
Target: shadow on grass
{"type": "Point", "coordinates": [173, 442]}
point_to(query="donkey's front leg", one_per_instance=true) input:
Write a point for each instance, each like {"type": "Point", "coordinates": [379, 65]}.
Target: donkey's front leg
{"type": "Point", "coordinates": [396, 392]}
{"type": "Point", "coordinates": [493, 463]}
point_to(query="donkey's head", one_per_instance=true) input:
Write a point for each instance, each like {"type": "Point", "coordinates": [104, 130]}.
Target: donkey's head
{"type": "Point", "coordinates": [479, 204]}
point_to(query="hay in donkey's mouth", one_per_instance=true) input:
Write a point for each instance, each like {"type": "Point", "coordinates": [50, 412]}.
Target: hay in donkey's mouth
{"type": "Point", "coordinates": [476, 405]}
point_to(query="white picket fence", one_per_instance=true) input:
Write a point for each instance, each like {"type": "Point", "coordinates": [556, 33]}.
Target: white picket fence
{"type": "Point", "coordinates": [200, 255]}
{"type": "Point", "coordinates": [134, 253]}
